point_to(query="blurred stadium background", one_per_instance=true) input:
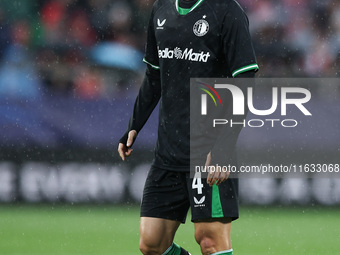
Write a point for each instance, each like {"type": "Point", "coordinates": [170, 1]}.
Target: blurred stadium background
{"type": "Point", "coordinates": [69, 73]}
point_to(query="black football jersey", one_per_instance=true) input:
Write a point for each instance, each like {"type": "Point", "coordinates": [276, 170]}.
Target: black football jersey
{"type": "Point", "coordinates": [209, 39]}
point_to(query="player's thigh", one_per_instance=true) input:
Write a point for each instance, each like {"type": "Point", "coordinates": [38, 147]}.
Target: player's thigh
{"type": "Point", "coordinates": [164, 206]}
{"type": "Point", "coordinates": [165, 195]}
{"type": "Point", "coordinates": [156, 233]}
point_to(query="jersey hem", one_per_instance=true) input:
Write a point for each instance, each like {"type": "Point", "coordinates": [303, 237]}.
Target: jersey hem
{"type": "Point", "coordinates": [245, 69]}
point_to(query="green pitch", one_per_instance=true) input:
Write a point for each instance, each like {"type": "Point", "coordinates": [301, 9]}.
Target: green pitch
{"type": "Point", "coordinates": [100, 230]}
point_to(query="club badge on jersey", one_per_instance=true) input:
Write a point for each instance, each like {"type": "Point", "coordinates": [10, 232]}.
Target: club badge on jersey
{"type": "Point", "coordinates": [201, 27]}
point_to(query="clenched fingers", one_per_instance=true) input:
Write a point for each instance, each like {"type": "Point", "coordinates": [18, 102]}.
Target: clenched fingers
{"type": "Point", "coordinates": [216, 175]}
{"type": "Point", "coordinates": [124, 151]}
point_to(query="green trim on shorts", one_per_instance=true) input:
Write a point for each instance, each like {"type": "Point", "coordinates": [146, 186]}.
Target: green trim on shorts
{"type": "Point", "coordinates": [216, 206]}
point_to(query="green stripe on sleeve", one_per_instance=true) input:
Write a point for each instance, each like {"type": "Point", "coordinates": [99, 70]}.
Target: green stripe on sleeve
{"type": "Point", "coordinates": [245, 69]}
{"type": "Point", "coordinates": [153, 66]}
{"type": "Point", "coordinates": [216, 206]}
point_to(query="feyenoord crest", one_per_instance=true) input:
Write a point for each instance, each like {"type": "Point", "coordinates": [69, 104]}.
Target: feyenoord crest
{"type": "Point", "coordinates": [201, 27]}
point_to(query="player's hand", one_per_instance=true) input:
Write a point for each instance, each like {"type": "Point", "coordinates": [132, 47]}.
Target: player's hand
{"type": "Point", "coordinates": [215, 176]}
{"type": "Point", "coordinates": [125, 150]}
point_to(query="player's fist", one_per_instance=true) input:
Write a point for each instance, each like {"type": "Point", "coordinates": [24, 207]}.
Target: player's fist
{"type": "Point", "coordinates": [125, 150]}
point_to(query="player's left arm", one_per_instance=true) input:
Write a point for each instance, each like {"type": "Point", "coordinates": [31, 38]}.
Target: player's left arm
{"type": "Point", "coordinates": [224, 148]}
{"type": "Point", "coordinates": [240, 56]}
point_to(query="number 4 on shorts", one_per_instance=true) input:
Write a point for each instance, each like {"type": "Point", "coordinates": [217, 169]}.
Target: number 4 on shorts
{"type": "Point", "coordinates": [197, 183]}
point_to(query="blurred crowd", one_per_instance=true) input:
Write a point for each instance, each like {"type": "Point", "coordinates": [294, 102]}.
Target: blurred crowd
{"type": "Point", "coordinates": [296, 38]}
{"type": "Point", "coordinates": [45, 44]}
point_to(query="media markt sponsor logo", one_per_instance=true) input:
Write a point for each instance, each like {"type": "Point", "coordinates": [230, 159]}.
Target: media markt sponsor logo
{"type": "Point", "coordinates": [239, 101]}
{"type": "Point", "coordinates": [186, 54]}
{"type": "Point", "coordinates": [199, 203]}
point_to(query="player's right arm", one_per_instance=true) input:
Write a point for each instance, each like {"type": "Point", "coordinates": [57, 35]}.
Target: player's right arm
{"type": "Point", "coordinates": [147, 99]}
{"type": "Point", "coordinates": [148, 96]}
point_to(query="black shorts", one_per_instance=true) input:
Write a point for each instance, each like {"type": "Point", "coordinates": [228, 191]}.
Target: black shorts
{"type": "Point", "coordinates": [169, 194]}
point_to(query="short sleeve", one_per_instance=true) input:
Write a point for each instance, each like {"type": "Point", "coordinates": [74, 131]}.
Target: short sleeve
{"type": "Point", "coordinates": [151, 51]}
{"type": "Point", "coordinates": [237, 44]}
